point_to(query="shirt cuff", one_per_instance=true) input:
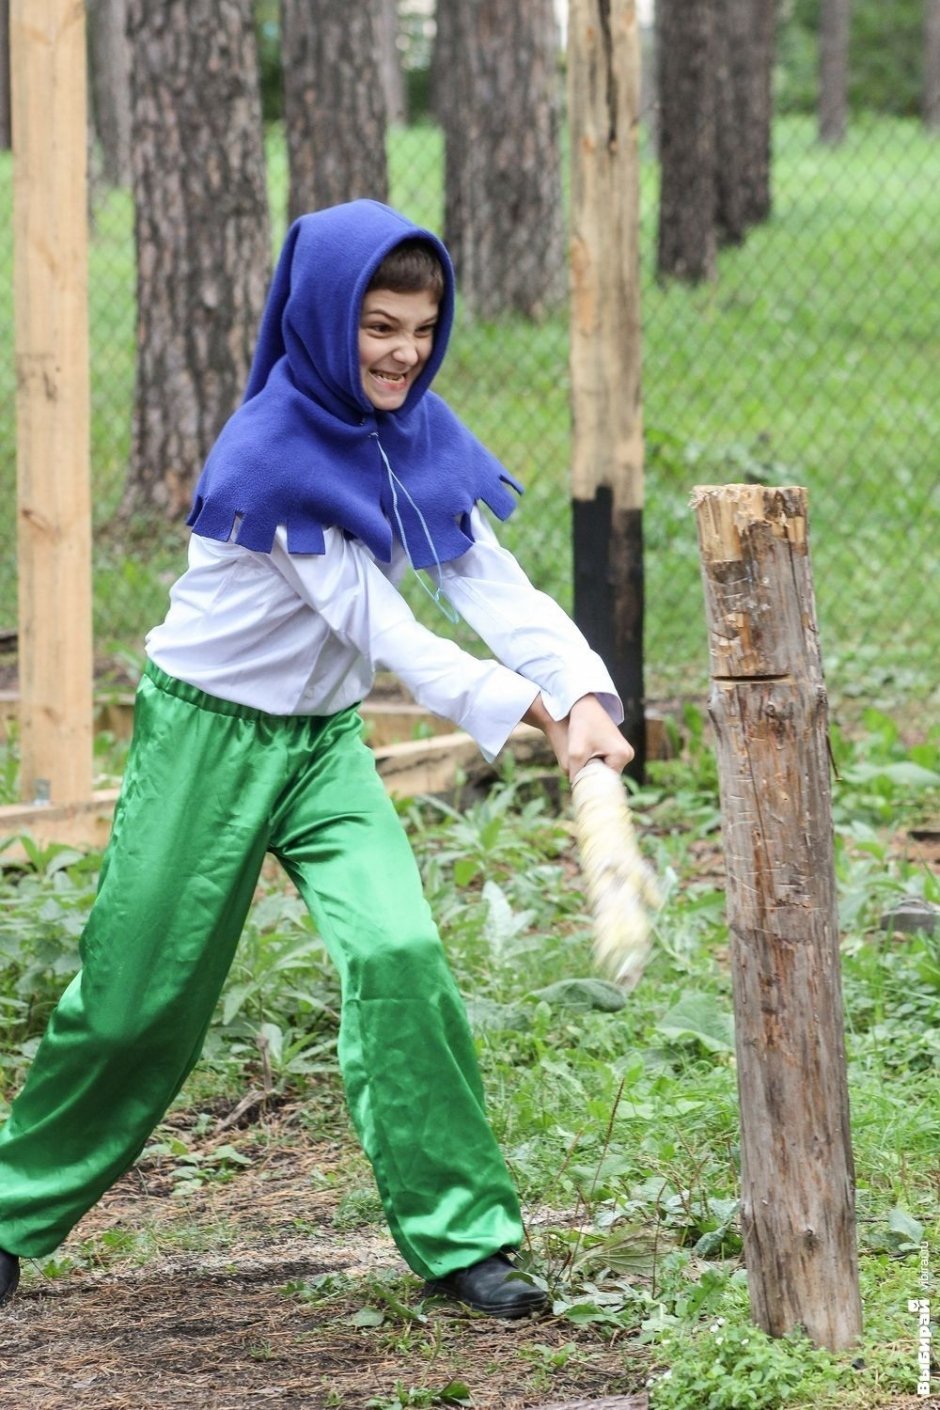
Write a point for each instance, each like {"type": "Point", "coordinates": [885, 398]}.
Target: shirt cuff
{"type": "Point", "coordinates": [492, 720]}
{"type": "Point", "coordinates": [567, 690]}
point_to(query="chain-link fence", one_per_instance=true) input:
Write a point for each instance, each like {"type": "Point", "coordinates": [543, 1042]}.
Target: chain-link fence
{"type": "Point", "coordinates": [813, 358]}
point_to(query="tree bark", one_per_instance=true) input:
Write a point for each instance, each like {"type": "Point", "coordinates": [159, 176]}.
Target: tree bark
{"type": "Point", "coordinates": [686, 50]}
{"type": "Point", "coordinates": [744, 54]}
{"type": "Point", "coordinates": [109, 65]}
{"type": "Point", "coordinates": [393, 79]}
{"type": "Point", "coordinates": [445, 57]}
{"type": "Point", "coordinates": [834, 22]}
{"type": "Point", "coordinates": [932, 65]}
{"type": "Point", "coordinates": [730, 219]}
{"type": "Point", "coordinates": [202, 234]}
{"type": "Point", "coordinates": [607, 445]}
{"type": "Point", "coordinates": [503, 220]}
{"type": "Point", "coordinates": [6, 127]}
{"type": "Point", "coordinates": [334, 103]}
{"type": "Point", "coordinates": [768, 707]}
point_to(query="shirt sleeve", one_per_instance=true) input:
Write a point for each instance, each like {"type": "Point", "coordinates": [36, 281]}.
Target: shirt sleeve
{"type": "Point", "coordinates": [363, 608]}
{"type": "Point", "coordinates": [525, 628]}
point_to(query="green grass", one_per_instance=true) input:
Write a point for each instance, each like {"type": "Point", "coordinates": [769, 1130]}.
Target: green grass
{"type": "Point", "coordinates": [810, 360]}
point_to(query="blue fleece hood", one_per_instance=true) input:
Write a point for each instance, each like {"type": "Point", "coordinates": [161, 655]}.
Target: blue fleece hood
{"type": "Point", "coordinates": [307, 449]}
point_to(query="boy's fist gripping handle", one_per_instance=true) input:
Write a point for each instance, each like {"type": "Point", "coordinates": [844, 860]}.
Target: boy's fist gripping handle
{"type": "Point", "coordinates": [621, 888]}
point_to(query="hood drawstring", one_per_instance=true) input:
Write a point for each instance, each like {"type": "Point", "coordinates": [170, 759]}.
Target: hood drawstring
{"type": "Point", "coordinates": [394, 485]}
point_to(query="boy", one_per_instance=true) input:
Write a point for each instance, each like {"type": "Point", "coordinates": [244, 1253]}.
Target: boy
{"type": "Point", "coordinates": [339, 468]}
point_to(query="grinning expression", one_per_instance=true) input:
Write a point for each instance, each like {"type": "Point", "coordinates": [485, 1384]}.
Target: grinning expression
{"type": "Point", "coordinates": [396, 335]}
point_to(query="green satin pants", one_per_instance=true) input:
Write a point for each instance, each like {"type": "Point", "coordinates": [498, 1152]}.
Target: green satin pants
{"type": "Point", "coordinates": [209, 788]}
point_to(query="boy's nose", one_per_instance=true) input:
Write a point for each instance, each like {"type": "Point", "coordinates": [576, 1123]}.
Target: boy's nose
{"type": "Point", "coordinates": [406, 352]}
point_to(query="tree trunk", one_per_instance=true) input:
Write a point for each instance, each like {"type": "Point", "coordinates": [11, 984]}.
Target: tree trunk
{"type": "Point", "coordinates": [334, 103]}
{"type": "Point", "coordinates": [745, 34]}
{"type": "Point", "coordinates": [768, 707]}
{"type": "Point", "coordinates": [607, 446]}
{"type": "Point", "coordinates": [6, 132]}
{"type": "Point", "coordinates": [932, 65]}
{"type": "Point", "coordinates": [503, 220]}
{"type": "Point", "coordinates": [834, 22]}
{"type": "Point", "coordinates": [445, 57]}
{"type": "Point", "coordinates": [730, 220]}
{"type": "Point", "coordinates": [393, 80]}
{"type": "Point", "coordinates": [685, 46]}
{"type": "Point", "coordinates": [110, 91]}
{"type": "Point", "coordinates": [202, 234]}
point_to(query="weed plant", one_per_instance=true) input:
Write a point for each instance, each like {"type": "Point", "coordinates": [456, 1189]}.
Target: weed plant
{"type": "Point", "coordinates": [619, 1118]}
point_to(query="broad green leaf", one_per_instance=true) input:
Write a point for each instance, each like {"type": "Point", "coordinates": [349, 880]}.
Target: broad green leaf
{"type": "Point", "coordinates": [367, 1317]}
{"type": "Point", "coordinates": [455, 1393]}
{"type": "Point", "coordinates": [465, 869]}
{"type": "Point", "coordinates": [582, 994]}
{"type": "Point", "coordinates": [698, 1016]}
{"type": "Point", "coordinates": [900, 1222]}
{"type": "Point", "coordinates": [903, 773]}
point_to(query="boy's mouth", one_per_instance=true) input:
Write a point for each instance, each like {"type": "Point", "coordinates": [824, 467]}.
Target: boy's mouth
{"type": "Point", "coordinates": [393, 381]}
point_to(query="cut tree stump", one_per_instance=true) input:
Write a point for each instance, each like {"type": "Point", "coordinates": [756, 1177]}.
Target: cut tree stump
{"type": "Point", "coordinates": [769, 709]}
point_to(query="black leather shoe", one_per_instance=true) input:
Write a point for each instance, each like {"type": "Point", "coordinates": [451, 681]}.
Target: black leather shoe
{"type": "Point", "coordinates": [9, 1275]}
{"type": "Point", "coordinates": [493, 1286]}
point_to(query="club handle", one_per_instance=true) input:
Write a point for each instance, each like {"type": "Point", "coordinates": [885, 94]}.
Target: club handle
{"type": "Point", "coordinates": [592, 769]}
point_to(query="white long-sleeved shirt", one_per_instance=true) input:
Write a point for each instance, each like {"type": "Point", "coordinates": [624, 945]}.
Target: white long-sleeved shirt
{"type": "Point", "coordinates": [305, 634]}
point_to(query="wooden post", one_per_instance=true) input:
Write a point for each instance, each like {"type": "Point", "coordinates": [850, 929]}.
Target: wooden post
{"type": "Point", "coordinates": [50, 279]}
{"type": "Point", "coordinates": [768, 706]}
{"type": "Point", "coordinates": [607, 452]}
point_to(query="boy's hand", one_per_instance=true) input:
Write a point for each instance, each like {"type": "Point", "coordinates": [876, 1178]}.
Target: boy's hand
{"type": "Point", "coordinates": [587, 733]}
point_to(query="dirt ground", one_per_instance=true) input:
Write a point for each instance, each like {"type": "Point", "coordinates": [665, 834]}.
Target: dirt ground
{"type": "Point", "coordinates": [264, 1289]}
{"type": "Point", "coordinates": [198, 1301]}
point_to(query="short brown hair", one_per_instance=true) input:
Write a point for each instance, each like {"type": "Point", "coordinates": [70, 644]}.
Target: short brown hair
{"type": "Point", "coordinates": [410, 268]}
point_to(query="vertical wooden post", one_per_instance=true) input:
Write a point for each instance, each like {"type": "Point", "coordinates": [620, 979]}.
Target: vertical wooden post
{"type": "Point", "coordinates": [51, 357]}
{"type": "Point", "coordinates": [607, 452]}
{"type": "Point", "coordinates": [768, 706]}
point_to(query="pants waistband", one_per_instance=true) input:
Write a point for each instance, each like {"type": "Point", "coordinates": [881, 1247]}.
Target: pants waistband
{"type": "Point", "coordinates": [182, 690]}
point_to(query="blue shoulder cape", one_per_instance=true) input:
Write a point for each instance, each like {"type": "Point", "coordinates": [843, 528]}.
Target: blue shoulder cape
{"type": "Point", "coordinates": [307, 449]}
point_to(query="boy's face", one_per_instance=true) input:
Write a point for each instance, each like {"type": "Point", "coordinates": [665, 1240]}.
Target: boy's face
{"type": "Point", "coordinates": [396, 335]}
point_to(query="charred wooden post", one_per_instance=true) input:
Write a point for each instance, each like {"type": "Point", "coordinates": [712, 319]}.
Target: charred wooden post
{"type": "Point", "coordinates": [769, 710]}
{"type": "Point", "coordinates": [50, 288]}
{"type": "Point", "coordinates": [607, 449]}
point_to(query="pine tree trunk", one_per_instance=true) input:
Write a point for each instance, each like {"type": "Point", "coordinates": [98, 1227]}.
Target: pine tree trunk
{"type": "Point", "coordinates": [932, 65]}
{"type": "Point", "coordinates": [686, 49]}
{"type": "Point", "coordinates": [334, 103]}
{"type": "Point", "coordinates": [110, 92]}
{"type": "Point", "coordinates": [202, 234]}
{"type": "Point", "coordinates": [393, 79]}
{"type": "Point", "coordinates": [835, 17]}
{"type": "Point", "coordinates": [444, 57]}
{"type": "Point", "coordinates": [501, 95]}
{"type": "Point", "coordinates": [730, 222]}
{"type": "Point", "coordinates": [756, 83]}
{"type": "Point", "coordinates": [745, 33]}
{"type": "Point", "coordinates": [6, 135]}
